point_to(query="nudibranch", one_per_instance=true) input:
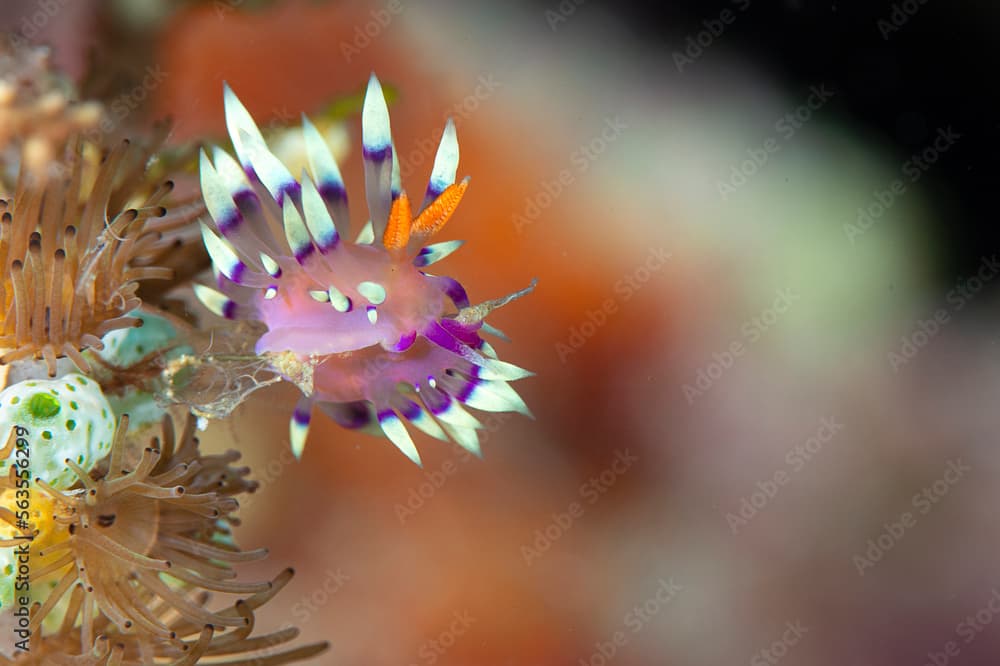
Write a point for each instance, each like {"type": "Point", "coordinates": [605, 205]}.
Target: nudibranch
{"type": "Point", "coordinates": [373, 339]}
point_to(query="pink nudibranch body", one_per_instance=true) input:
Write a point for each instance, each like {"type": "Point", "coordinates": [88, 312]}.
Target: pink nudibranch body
{"type": "Point", "coordinates": [298, 322]}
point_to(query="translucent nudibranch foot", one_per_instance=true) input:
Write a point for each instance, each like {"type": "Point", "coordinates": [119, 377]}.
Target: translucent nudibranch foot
{"type": "Point", "coordinates": [387, 342]}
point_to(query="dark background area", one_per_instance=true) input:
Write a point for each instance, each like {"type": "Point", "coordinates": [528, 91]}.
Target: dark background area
{"type": "Point", "coordinates": [937, 70]}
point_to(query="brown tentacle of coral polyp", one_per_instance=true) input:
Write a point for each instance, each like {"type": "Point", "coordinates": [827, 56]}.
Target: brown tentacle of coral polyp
{"type": "Point", "coordinates": [89, 640]}
{"type": "Point", "coordinates": [70, 264]}
{"type": "Point", "coordinates": [136, 549]}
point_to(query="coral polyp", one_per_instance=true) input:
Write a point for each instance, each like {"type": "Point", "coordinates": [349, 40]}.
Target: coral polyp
{"type": "Point", "coordinates": [74, 246]}
{"type": "Point", "coordinates": [367, 334]}
{"type": "Point", "coordinates": [82, 640]}
{"type": "Point", "coordinates": [130, 552]}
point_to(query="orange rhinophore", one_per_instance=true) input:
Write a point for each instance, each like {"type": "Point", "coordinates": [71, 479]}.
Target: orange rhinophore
{"type": "Point", "coordinates": [397, 232]}
{"type": "Point", "coordinates": [436, 215]}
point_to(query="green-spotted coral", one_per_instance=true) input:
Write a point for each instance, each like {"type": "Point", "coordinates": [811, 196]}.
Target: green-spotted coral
{"type": "Point", "coordinates": [64, 418]}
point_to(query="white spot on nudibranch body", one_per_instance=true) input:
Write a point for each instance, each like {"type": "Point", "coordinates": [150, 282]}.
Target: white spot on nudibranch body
{"type": "Point", "coordinates": [372, 291]}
